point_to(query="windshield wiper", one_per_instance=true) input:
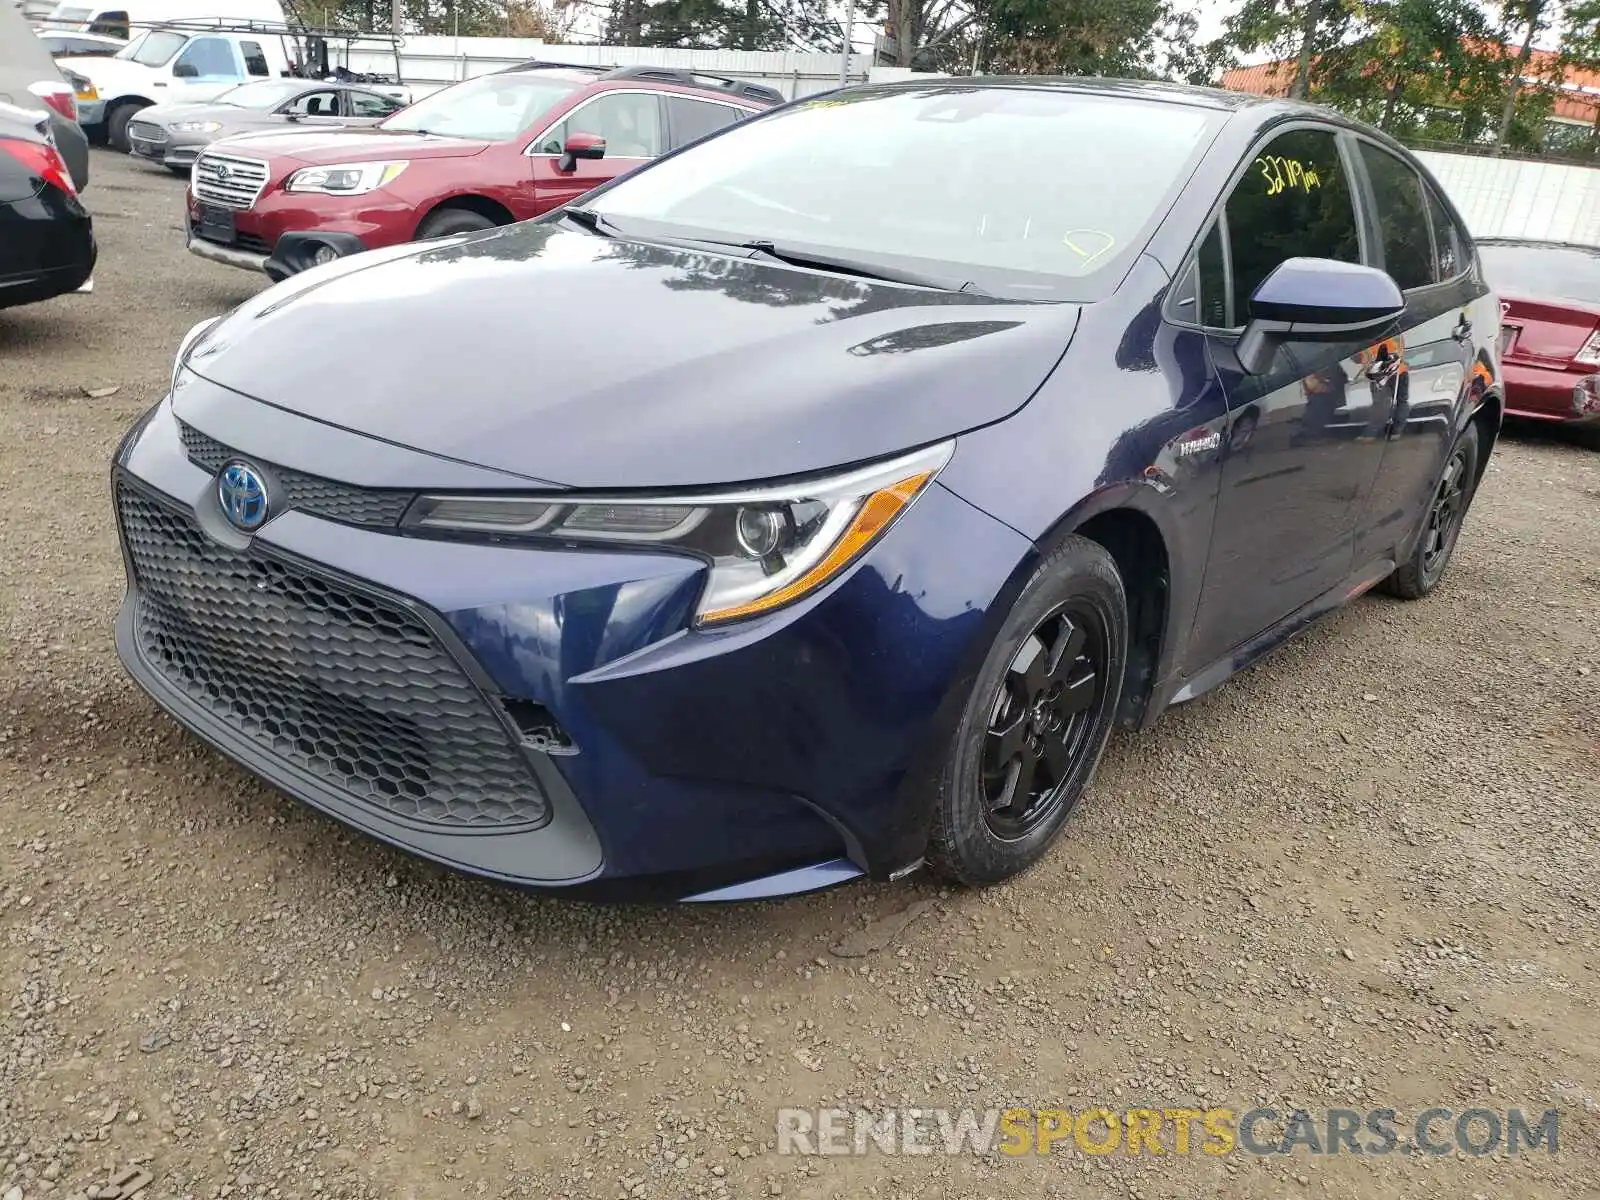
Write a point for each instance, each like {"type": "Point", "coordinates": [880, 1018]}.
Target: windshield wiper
{"type": "Point", "coordinates": [590, 220]}
{"type": "Point", "coordinates": [848, 266]}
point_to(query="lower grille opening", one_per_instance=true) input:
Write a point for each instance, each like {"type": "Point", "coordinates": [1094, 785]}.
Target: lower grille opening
{"type": "Point", "coordinates": [538, 727]}
{"type": "Point", "coordinates": [345, 686]}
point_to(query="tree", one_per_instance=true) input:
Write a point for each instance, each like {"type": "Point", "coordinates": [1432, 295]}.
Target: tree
{"type": "Point", "coordinates": [1533, 17]}
{"type": "Point", "coordinates": [1410, 60]}
{"type": "Point", "coordinates": [1303, 29]}
{"type": "Point", "coordinates": [1580, 51]}
{"type": "Point", "coordinates": [1135, 38]}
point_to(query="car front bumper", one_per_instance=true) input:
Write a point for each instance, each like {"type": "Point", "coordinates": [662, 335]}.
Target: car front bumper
{"type": "Point", "coordinates": [542, 715]}
{"type": "Point", "coordinates": [176, 151]}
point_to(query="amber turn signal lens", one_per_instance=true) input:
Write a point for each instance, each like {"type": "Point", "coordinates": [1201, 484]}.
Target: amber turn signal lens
{"type": "Point", "coordinates": [873, 517]}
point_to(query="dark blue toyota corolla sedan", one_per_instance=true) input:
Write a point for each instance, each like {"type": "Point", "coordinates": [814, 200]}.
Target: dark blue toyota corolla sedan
{"type": "Point", "coordinates": [812, 502]}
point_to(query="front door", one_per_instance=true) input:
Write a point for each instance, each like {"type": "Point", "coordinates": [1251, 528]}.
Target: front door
{"type": "Point", "coordinates": [630, 123]}
{"type": "Point", "coordinates": [1304, 440]}
{"type": "Point", "coordinates": [204, 69]}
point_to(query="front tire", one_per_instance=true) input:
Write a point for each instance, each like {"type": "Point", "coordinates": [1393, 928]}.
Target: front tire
{"type": "Point", "coordinates": [449, 221]}
{"type": "Point", "coordinates": [1441, 525]}
{"type": "Point", "coordinates": [117, 126]}
{"type": "Point", "coordinates": [1033, 729]}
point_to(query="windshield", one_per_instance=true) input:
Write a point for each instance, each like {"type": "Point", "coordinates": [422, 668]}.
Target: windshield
{"type": "Point", "coordinates": [153, 49]}
{"type": "Point", "coordinates": [1555, 272]}
{"type": "Point", "coordinates": [1021, 192]}
{"type": "Point", "coordinates": [264, 95]}
{"type": "Point", "coordinates": [491, 108]}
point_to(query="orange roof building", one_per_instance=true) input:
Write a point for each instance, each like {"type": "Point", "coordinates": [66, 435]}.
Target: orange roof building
{"type": "Point", "coordinates": [1577, 98]}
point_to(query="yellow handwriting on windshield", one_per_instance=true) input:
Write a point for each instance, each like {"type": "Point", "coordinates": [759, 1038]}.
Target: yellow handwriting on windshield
{"type": "Point", "coordinates": [1287, 174]}
{"type": "Point", "coordinates": [1088, 244]}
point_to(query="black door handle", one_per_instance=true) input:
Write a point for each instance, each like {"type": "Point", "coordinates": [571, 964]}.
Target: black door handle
{"type": "Point", "coordinates": [1463, 329]}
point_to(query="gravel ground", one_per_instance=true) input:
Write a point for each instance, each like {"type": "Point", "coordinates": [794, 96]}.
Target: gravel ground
{"type": "Point", "coordinates": [1362, 875]}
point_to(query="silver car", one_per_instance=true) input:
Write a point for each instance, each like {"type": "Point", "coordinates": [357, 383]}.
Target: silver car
{"type": "Point", "coordinates": [174, 134]}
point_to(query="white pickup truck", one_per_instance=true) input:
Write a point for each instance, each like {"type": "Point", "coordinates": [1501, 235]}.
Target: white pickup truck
{"type": "Point", "coordinates": [176, 66]}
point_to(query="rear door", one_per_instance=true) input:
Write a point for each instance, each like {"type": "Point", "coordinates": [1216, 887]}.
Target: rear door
{"type": "Point", "coordinates": [1419, 244]}
{"type": "Point", "coordinates": [633, 124]}
{"type": "Point", "coordinates": [368, 108]}
{"type": "Point", "coordinates": [689, 119]}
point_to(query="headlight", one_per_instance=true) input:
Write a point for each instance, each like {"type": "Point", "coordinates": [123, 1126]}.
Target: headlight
{"type": "Point", "coordinates": [197, 126]}
{"type": "Point", "coordinates": [767, 546]}
{"type": "Point", "coordinates": [189, 342]}
{"type": "Point", "coordinates": [345, 179]}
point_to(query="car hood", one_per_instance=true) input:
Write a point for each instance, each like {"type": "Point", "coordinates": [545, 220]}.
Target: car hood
{"type": "Point", "coordinates": [162, 114]}
{"type": "Point", "coordinates": [320, 147]}
{"type": "Point", "coordinates": [112, 76]}
{"type": "Point", "coordinates": [590, 362]}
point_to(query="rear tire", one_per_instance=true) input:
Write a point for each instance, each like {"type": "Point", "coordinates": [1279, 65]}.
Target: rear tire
{"type": "Point", "coordinates": [449, 221]}
{"type": "Point", "coordinates": [1033, 729]}
{"type": "Point", "coordinates": [117, 126]}
{"type": "Point", "coordinates": [1441, 524]}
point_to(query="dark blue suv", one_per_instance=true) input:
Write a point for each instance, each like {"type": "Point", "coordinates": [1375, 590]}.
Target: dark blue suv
{"type": "Point", "coordinates": [812, 501]}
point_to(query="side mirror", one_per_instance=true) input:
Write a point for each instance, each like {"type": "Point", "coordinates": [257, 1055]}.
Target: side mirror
{"type": "Point", "coordinates": [581, 145]}
{"type": "Point", "coordinates": [1318, 300]}
{"type": "Point", "coordinates": [185, 71]}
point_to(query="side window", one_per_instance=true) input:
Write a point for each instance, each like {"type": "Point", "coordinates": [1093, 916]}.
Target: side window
{"type": "Point", "coordinates": [371, 104]}
{"type": "Point", "coordinates": [315, 104]}
{"type": "Point", "coordinates": [207, 57]}
{"type": "Point", "coordinates": [112, 24]}
{"type": "Point", "coordinates": [255, 59]}
{"type": "Point", "coordinates": [1211, 282]}
{"type": "Point", "coordinates": [1450, 242]}
{"type": "Point", "coordinates": [630, 122]}
{"type": "Point", "coordinates": [1402, 216]}
{"type": "Point", "coordinates": [692, 119]}
{"type": "Point", "coordinates": [1294, 201]}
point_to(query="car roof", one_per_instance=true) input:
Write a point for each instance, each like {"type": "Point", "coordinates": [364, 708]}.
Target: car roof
{"type": "Point", "coordinates": [641, 75]}
{"type": "Point", "coordinates": [20, 50]}
{"type": "Point", "coordinates": [1259, 111]}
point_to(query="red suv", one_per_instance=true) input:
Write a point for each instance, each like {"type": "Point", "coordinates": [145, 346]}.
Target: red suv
{"type": "Point", "coordinates": [489, 151]}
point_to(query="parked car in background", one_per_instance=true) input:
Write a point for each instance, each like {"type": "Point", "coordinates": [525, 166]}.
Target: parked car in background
{"type": "Point", "coordinates": [171, 65]}
{"type": "Point", "coordinates": [46, 236]}
{"type": "Point", "coordinates": [1550, 339]}
{"type": "Point", "coordinates": [82, 45]}
{"type": "Point", "coordinates": [174, 134]}
{"type": "Point", "coordinates": [120, 18]}
{"type": "Point", "coordinates": [29, 78]}
{"type": "Point", "coordinates": [814, 501]}
{"type": "Point", "coordinates": [486, 152]}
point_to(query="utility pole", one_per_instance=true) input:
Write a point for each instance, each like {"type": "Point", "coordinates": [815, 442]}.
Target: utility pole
{"type": "Point", "coordinates": [849, 36]}
{"type": "Point", "coordinates": [394, 19]}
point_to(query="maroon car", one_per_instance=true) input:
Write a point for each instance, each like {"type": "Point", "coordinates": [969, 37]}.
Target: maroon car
{"type": "Point", "coordinates": [1550, 331]}
{"type": "Point", "coordinates": [492, 150]}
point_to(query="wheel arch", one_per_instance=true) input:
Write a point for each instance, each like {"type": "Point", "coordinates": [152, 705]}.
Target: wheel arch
{"type": "Point", "coordinates": [129, 98]}
{"type": "Point", "coordinates": [472, 202]}
{"type": "Point", "coordinates": [1489, 417]}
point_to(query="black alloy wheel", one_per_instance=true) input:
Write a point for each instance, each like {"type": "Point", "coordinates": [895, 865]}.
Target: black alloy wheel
{"type": "Point", "coordinates": [1041, 719]}
{"type": "Point", "coordinates": [1036, 719]}
{"type": "Point", "coordinates": [1441, 523]}
{"type": "Point", "coordinates": [1444, 517]}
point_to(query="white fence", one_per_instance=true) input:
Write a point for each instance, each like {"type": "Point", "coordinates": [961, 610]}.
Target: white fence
{"type": "Point", "coordinates": [1502, 197]}
{"type": "Point", "coordinates": [430, 63]}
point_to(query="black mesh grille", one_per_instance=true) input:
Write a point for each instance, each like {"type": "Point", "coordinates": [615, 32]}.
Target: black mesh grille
{"type": "Point", "coordinates": [356, 691]}
{"type": "Point", "coordinates": [376, 507]}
